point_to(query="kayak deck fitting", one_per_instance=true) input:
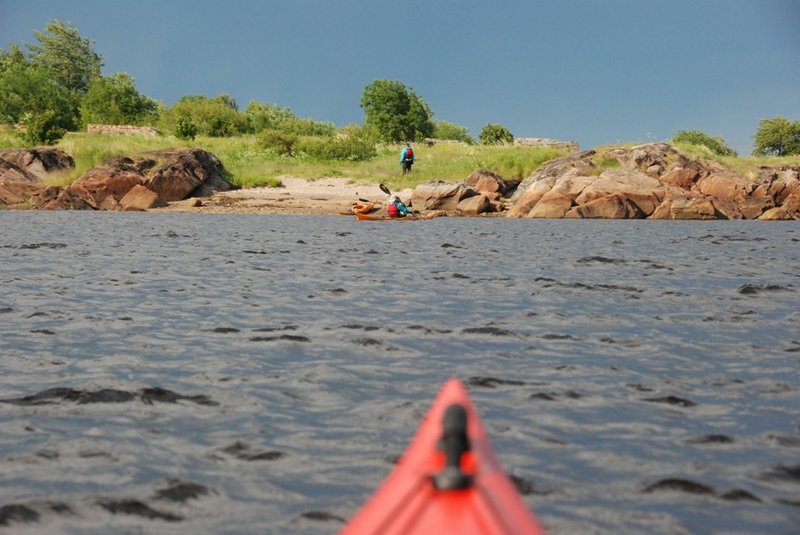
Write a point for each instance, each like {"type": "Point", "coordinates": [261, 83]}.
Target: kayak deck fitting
{"type": "Point", "coordinates": [447, 481]}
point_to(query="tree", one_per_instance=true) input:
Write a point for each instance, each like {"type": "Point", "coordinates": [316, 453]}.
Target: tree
{"type": "Point", "coordinates": [14, 56]}
{"type": "Point", "coordinates": [70, 57]}
{"type": "Point", "coordinates": [777, 137]}
{"type": "Point", "coordinates": [492, 134]}
{"type": "Point", "coordinates": [30, 96]}
{"type": "Point", "coordinates": [115, 100]}
{"type": "Point", "coordinates": [395, 111]}
{"type": "Point", "coordinates": [695, 137]}
{"type": "Point", "coordinates": [43, 89]}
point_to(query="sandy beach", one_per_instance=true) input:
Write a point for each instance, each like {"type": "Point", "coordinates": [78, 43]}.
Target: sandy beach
{"type": "Point", "coordinates": [323, 196]}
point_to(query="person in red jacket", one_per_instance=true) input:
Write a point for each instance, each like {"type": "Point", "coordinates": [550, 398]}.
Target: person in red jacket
{"type": "Point", "coordinates": [396, 208]}
{"type": "Point", "coordinates": [407, 158]}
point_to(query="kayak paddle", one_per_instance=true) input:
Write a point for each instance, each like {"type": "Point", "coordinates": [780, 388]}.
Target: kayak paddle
{"type": "Point", "coordinates": [387, 192]}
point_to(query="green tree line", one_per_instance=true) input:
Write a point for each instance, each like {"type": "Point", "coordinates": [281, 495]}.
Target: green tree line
{"type": "Point", "coordinates": [56, 85]}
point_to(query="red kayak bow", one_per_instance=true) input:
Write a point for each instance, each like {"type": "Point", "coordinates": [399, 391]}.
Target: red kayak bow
{"type": "Point", "coordinates": [447, 481]}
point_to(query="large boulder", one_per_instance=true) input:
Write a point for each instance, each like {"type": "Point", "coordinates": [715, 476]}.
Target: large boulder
{"type": "Point", "coordinates": [624, 181]}
{"type": "Point", "coordinates": [680, 177]}
{"type": "Point", "coordinates": [581, 162]}
{"type": "Point", "coordinates": [487, 183]}
{"type": "Point", "coordinates": [651, 156]}
{"type": "Point", "coordinates": [551, 205]}
{"type": "Point", "coordinates": [171, 175]}
{"type": "Point", "coordinates": [15, 192]}
{"type": "Point", "coordinates": [187, 173]}
{"type": "Point", "coordinates": [138, 198]}
{"type": "Point", "coordinates": [777, 184]}
{"type": "Point", "coordinates": [44, 197]}
{"type": "Point", "coordinates": [108, 184]}
{"type": "Point", "coordinates": [722, 183]}
{"type": "Point", "coordinates": [68, 199]}
{"type": "Point", "coordinates": [440, 195]}
{"type": "Point", "coordinates": [13, 173]}
{"type": "Point", "coordinates": [687, 208]}
{"type": "Point", "coordinates": [612, 206]}
{"type": "Point", "coordinates": [754, 207]}
{"type": "Point", "coordinates": [569, 184]}
{"type": "Point", "coordinates": [39, 162]}
{"type": "Point", "coordinates": [475, 205]}
{"type": "Point", "coordinates": [778, 213]}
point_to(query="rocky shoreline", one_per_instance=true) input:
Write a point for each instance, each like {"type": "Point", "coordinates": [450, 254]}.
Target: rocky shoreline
{"type": "Point", "coordinates": [652, 181]}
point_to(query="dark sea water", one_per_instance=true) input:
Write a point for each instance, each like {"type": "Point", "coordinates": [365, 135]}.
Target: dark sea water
{"type": "Point", "coordinates": [176, 373]}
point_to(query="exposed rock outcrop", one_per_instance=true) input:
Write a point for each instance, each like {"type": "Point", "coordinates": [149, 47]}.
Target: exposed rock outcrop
{"type": "Point", "coordinates": [489, 184]}
{"type": "Point", "coordinates": [36, 163]}
{"type": "Point", "coordinates": [138, 198]}
{"type": "Point", "coordinates": [440, 195]}
{"type": "Point", "coordinates": [16, 192]}
{"type": "Point", "coordinates": [187, 173]}
{"type": "Point", "coordinates": [654, 181]}
{"type": "Point", "coordinates": [169, 175]}
{"type": "Point", "coordinates": [475, 205]}
{"type": "Point", "coordinates": [10, 171]}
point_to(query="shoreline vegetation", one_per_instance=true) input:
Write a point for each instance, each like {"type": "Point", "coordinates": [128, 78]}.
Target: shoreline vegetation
{"type": "Point", "coordinates": [248, 165]}
{"type": "Point", "coordinates": [249, 178]}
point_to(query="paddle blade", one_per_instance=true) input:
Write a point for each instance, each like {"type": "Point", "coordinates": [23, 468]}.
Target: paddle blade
{"type": "Point", "coordinates": [385, 189]}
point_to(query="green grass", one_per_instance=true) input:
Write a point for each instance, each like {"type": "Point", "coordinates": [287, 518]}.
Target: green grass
{"type": "Point", "coordinates": [92, 150]}
{"type": "Point", "coordinates": [249, 165]}
{"type": "Point", "coordinates": [9, 139]}
{"type": "Point", "coordinates": [604, 161]}
{"type": "Point", "coordinates": [747, 165]}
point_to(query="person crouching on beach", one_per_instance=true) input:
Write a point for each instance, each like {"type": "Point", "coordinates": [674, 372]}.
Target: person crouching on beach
{"type": "Point", "coordinates": [396, 208]}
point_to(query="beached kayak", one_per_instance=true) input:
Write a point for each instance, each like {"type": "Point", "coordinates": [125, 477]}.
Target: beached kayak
{"type": "Point", "coordinates": [447, 481]}
{"type": "Point", "coordinates": [368, 217]}
{"type": "Point", "coordinates": [360, 209]}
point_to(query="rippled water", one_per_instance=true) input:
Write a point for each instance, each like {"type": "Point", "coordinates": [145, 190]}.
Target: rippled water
{"type": "Point", "coordinates": [175, 373]}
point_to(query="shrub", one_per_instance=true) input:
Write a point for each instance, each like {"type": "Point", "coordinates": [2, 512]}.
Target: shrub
{"type": "Point", "coordinates": [264, 116]}
{"type": "Point", "coordinates": [493, 134]}
{"type": "Point", "coordinates": [450, 131]}
{"type": "Point", "coordinates": [185, 129]}
{"type": "Point", "coordinates": [43, 129]}
{"type": "Point", "coordinates": [340, 148]}
{"type": "Point", "coordinates": [216, 117]}
{"type": "Point", "coordinates": [278, 141]}
{"type": "Point", "coordinates": [695, 137]}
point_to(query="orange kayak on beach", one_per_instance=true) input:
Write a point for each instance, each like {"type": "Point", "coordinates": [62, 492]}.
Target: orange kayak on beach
{"type": "Point", "coordinates": [447, 481]}
{"type": "Point", "coordinates": [368, 217]}
{"type": "Point", "coordinates": [360, 209]}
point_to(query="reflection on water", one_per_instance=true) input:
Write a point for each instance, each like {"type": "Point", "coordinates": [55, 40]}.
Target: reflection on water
{"type": "Point", "coordinates": [252, 374]}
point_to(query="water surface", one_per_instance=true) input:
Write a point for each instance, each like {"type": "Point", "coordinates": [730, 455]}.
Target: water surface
{"type": "Point", "coordinates": [176, 373]}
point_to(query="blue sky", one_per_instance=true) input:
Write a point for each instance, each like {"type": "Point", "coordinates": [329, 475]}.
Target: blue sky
{"type": "Point", "coordinates": [593, 71]}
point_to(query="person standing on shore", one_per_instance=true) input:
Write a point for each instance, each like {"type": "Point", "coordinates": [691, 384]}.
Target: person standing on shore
{"type": "Point", "coordinates": [407, 158]}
